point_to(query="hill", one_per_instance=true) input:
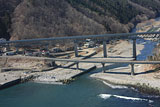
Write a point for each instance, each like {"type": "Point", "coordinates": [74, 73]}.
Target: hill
{"type": "Point", "coordinates": [25, 19]}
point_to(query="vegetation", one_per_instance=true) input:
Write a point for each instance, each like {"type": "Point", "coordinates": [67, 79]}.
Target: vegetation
{"type": "Point", "coordinates": [147, 89]}
{"type": "Point", "coordinates": [119, 9]}
{"type": "Point", "coordinates": [5, 23]}
{"type": "Point", "coordinates": [6, 8]}
{"type": "Point", "coordinates": [23, 19]}
{"type": "Point", "coordinates": [151, 4]}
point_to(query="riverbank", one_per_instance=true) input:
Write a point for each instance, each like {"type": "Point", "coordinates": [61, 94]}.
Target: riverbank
{"type": "Point", "coordinates": [146, 78]}
{"type": "Point", "coordinates": [62, 75]}
{"type": "Point", "coordinates": [143, 81]}
{"type": "Point", "coordinates": [8, 79]}
{"type": "Point", "coordinates": [27, 68]}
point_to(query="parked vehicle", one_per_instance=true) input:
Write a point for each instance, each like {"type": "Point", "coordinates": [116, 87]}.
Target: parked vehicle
{"type": "Point", "coordinates": [28, 53]}
{"type": "Point", "coordinates": [55, 50]}
{"type": "Point", "coordinates": [89, 43]}
{"type": "Point", "coordinates": [32, 53]}
{"type": "Point", "coordinates": [36, 53]}
{"type": "Point", "coordinates": [45, 53]}
{"type": "Point", "coordinates": [10, 53]}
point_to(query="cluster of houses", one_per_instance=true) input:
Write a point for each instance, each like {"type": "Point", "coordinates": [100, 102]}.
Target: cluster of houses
{"type": "Point", "coordinates": [5, 50]}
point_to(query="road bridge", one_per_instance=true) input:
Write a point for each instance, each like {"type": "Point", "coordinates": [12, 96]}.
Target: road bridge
{"type": "Point", "coordinates": [101, 37]}
{"type": "Point", "coordinates": [104, 38]}
{"type": "Point", "coordinates": [102, 61]}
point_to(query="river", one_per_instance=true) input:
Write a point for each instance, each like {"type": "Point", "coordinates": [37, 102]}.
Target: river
{"type": "Point", "coordinates": [84, 92]}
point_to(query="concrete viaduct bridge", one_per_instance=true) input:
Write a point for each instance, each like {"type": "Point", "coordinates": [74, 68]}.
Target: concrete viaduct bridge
{"type": "Point", "coordinates": [105, 37]}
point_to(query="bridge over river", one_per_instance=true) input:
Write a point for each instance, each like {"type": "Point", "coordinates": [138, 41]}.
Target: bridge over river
{"type": "Point", "coordinates": [103, 38]}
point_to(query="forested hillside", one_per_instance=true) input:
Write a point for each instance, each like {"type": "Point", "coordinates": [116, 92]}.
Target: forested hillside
{"type": "Point", "coordinates": [6, 9]}
{"type": "Point", "coordinates": [24, 19]}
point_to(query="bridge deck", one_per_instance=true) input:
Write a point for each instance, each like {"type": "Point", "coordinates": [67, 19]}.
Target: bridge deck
{"type": "Point", "coordinates": [92, 60]}
{"type": "Point", "coordinates": [108, 36]}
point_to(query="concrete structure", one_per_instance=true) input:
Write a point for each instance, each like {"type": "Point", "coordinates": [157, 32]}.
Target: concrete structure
{"type": "Point", "coordinates": [104, 38]}
{"type": "Point", "coordinates": [103, 61]}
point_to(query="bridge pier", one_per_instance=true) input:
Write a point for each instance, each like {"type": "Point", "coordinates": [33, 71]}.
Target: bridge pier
{"type": "Point", "coordinates": [103, 67]}
{"type": "Point", "coordinates": [104, 49]}
{"type": "Point", "coordinates": [132, 69]}
{"type": "Point", "coordinates": [17, 49]}
{"type": "Point", "coordinates": [76, 48]}
{"type": "Point", "coordinates": [134, 49]}
{"type": "Point", "coordinates": [77, 64]}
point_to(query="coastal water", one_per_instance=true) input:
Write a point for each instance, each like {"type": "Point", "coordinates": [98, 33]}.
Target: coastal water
{"type": "Point", "coordinates": [84, 92]}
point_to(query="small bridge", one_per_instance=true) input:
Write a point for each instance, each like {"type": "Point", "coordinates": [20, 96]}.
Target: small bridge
{"type": "Point", "coordinates": [104, 38]}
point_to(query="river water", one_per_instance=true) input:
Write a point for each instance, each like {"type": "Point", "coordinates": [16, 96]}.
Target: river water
{"type": "Point", "coordinates": [84, 92]}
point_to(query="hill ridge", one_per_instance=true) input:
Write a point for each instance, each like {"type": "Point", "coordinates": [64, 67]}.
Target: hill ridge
{"type": "Point", "coordinates": [26, 19]}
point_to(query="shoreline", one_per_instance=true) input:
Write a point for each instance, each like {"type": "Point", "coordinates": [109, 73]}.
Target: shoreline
{"type": "Point", "coordinates": [142, 88]}
{"type": "Point", "coordinates": [146, 78]}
